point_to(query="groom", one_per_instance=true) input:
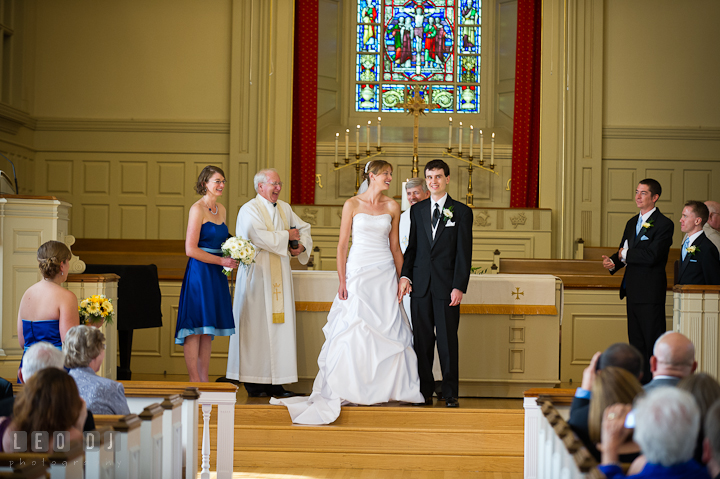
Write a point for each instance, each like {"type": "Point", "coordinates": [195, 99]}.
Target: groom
{"type": "Point", "coordinates": [441, 242]}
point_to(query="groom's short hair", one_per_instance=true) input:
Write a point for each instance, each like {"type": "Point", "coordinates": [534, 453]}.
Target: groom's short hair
{"type": "Point", "coordinates": [437, 165]}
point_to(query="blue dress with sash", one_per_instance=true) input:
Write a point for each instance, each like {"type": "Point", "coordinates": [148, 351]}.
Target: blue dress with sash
{"type": "Point", "coordinates": [205, 305]}
{"type": "Point", "coordinates": [36, 331]}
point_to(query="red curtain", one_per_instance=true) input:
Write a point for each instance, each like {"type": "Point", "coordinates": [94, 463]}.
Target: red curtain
{"type": "Point", "coordinates": [526, 124]}
{"type": "Point", "coordinates": [304, 121]}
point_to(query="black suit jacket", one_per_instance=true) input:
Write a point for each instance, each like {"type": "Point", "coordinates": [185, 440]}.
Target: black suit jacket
{"type": "Point", "coordinates": [645, 278]}
{"type": "Point", "coordinates": [703, 267]}
{"type": "Point", "coordinates": [447, 258]}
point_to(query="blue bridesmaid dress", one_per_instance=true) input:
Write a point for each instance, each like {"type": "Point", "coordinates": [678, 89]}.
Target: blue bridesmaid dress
{"type": "Point", "coordinates": [36, 331]}
{"type": "Point", "coordinates": [205, 305]}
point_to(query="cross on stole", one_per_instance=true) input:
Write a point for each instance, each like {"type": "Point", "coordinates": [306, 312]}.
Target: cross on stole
{"type": "Point", "coordinates": [415, 104]}
{"type": "Point", "coordinates": [517, 293]}
{"type": "Point", "coordinates": [277, 291]}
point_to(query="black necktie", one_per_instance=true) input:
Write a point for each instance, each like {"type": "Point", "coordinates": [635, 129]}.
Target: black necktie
{"type": "Point", "coordinates": [436, 215]}
{"type": "Point", "coordinates": [275, 205]}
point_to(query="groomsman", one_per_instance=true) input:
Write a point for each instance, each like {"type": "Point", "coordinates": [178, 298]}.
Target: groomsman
{"type": "Point", "coordinates": [699, 263]}
{"type": "Point", "coordinates": [712, 227]}
{"type": "Point", "coordinates": [437, 265]}
{"type": "Point", "coordinates": [644, 250]}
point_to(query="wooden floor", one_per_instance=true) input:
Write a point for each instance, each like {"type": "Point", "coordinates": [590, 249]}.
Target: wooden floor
{"type": "Point", "coordinates": [481, 439]}
{"type": "Point", "coordinates": [312, 473]}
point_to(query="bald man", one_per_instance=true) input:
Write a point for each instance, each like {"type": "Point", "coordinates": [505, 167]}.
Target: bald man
{"type": "Point", "coordinates": [673, 359]}
{"type": "Point", "coordinates": [712, 226]}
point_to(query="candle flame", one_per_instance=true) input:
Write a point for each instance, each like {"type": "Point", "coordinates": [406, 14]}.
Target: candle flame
{"type": "Point", "coordinates": [358, 127]}
{"type": "Point", "coordinates": [493, 135]}
{"type": "Point", "coordinates": [379, 118]}
{"type": "Point", "coordinates": [460, 123]}
{"type": "Point", "coordinates": [450, 119]}
{"type": "Point", "coordinates": [471, 127]}
{"type": "Point", "coordinates": [369, 122]}
{"type": "Point", "coordinates": [347, 131]}
{"type": "Point", "coordinates": [481, 132]}
{"type": "Point", "coordinates": [337, 134]}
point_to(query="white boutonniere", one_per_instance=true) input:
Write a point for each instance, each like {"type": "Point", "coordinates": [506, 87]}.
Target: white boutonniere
{"type": "Point", "coordinates": [447, 214]}
{"type": "Point", "coordinates": [648, 224]}
{"type": "Point", "coordinates": [692, 249]}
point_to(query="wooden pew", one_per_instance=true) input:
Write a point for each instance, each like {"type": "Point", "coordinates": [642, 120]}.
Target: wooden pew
{"type": "Point", "coordinates": [26, 471]}
{"type": "Point", "coordinates": [60, 465]}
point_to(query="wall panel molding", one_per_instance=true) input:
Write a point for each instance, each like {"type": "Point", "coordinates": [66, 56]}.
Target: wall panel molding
{"type": "Point", "coordinates": [660, 133]}
{"type": "Point", "coordinates": [140, 126]}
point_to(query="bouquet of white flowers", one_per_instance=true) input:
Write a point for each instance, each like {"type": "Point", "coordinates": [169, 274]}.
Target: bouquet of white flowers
{"type": "Point", "coordinates": [239, 249]}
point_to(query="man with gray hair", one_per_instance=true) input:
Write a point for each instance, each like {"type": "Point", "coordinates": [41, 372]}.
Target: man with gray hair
{"type": "Point", "coordinates": [712, 225]}
{"type": "Point", "coordinates": [667, 423]}
{"type": "Point", "coordinates": [262, 352]}
{"type": "Point", "coordinates": [673, 359]}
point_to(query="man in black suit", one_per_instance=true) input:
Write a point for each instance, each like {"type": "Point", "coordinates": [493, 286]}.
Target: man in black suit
{"type": "Point", "coordinates": [699, 259]}
{"type": "Point", "coordinates": [644, 250]}
{"type": "Point", "coordinates": [437, 270]}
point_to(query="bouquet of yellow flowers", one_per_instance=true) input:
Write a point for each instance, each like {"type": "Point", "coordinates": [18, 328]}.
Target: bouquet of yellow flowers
{"type": "Point", "coordinates": [96, 309]}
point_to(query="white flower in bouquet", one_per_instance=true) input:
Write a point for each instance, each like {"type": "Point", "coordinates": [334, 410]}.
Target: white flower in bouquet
{"type": "Point", "coordinates": [238, 249]}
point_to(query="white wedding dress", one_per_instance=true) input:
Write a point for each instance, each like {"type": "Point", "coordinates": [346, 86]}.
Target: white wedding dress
{"type": "Point", "coordinates": [368, 355]}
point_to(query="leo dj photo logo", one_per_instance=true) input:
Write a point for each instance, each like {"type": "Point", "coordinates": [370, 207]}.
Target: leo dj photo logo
{"type": "Point", "coordinates": [40, 441]}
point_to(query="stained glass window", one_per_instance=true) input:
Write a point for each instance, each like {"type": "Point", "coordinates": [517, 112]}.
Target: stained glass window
{"type": "Point", "coordinates": [434, 43]}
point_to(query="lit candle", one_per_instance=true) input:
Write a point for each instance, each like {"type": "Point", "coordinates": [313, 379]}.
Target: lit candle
{"type": "Point", "coordinates": [347, 142]}
{"type": "Point", "coordinates": [379, 125]}
{"type": "Point", "coordinates": [337, 138]}
{"type": "Point", "coordinates": [450, 134]}
{"type": "Point", "coordinates": [481, 147]}
{"type": "Point", "coordinates": [460, 139]}
{"type": "Point", "coordinates": [367, 136]}
{"type": "Point", "coordinates": [492, 150]}
{"type": "Point", "coordinates": [472, 140]}
{"type": "Point", "coordinates": [357, 141]}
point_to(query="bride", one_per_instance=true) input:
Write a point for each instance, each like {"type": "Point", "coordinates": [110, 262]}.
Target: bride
{"type": "Point", "coordinates": [368, 356]}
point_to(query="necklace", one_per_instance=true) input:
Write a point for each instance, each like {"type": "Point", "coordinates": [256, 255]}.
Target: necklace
{"type": "Point", "coordinates": [210, 209]}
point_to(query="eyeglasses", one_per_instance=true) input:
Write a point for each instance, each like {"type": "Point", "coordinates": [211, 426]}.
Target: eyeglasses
{"type": "Point", "coordinates": [273, 184]}
{"type": "Point", "coordinates": [220, 182]}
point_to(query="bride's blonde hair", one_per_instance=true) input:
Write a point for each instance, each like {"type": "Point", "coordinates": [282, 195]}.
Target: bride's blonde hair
{"type": "Point", "coordinates": [376, 167]}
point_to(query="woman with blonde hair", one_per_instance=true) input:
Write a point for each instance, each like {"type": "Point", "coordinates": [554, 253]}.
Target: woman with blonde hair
{"type": "Point", "coordinates": [368, 355]}
{"type": "Point", "coordinates": [612, 385]}
{"type": "Point", "coordinates": [47, 310]}
{"type": "Point", "coordinates": [84, 350]}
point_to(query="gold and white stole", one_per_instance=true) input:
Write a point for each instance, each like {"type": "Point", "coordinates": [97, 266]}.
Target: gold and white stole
{"type": "Point", "coordinates": [276, 280]}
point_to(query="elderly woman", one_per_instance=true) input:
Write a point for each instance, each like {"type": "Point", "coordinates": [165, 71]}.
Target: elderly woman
{"type": "Point", "coordinates": [49, 402]}
{"type": "Point", "coordinates": [47, 310]}
{"type": "Point", "coordinates": [84, 350]}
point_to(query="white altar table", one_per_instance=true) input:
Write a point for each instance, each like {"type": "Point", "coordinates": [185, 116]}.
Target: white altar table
{"type": "Point", "coordinates": [509, 331]}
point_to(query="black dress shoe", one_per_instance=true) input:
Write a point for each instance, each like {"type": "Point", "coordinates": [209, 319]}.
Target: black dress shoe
{"type": "Point", "coordinates": [286, 394]}
{"type": "Point", "coordinates": [261, 394]}
{"type": "Point", "coordinates": [451, 402]}
{"type": "Point", "coordinates": [428, 402]}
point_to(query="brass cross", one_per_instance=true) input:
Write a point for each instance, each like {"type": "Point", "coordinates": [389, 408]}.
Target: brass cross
{"type": "Point", "coordinates": [277, 291]}
{"type": "Point", "coordinates": [415, 104]}
{"type": "Point", "coordinates": [517, 293]}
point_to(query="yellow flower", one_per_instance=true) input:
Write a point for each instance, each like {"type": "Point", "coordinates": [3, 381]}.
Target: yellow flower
{"type": "Point", "coordinates": [93, 309]}
{"type": "Point", "coordinates": [107, 306]}
{"type": "Point", "coordinates": [84, 303]}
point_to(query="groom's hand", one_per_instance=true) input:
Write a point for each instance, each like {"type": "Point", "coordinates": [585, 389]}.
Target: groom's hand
{"type": "Point", "coordinates": [455, 297]}
{"type": "Point", "coordinates": [404, 288]}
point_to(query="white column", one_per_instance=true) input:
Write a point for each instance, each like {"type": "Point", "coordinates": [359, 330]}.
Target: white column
{"type": "Point", "coordinates": [151, 441]}
{"type": "Point", "coordinates": [172, 434]}
{"type": "Point", "coordinates": [533, 415]}
{"type": "Point", "coordinates": [127, 455]}
{"type": "Point", "coordinates": [225, 430]}
{"type": "Point", "coordinates": [190, 426]}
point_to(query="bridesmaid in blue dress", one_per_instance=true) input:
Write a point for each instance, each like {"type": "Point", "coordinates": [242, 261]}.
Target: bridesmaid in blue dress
{"type": "Point", "coordinates": [205, 308]}
{"type": "Point", "coordinates": [47, 310]}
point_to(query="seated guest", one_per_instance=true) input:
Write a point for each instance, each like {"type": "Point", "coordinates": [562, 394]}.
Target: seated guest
{"type": "Point", "coordinates": [49, 402]}
{"type": "Point", "coordinates": [38, 357]}
{"type": "Point", "coordinates": [673, 359]}
{"type": "Point", "coordinates": [711, 443]}
{"type": "Point", "coordinates": [611, 386]}
{"type": "Point", "coordinates": [47, 310]}
{"type": "Point", "coordinates": [706, 391]}
{"type": "Point", "coordinates": [699, 258]}
{"type": "Point", "coordinates": [621, 355]}
{"type": "Point", "coordinates": [84, 353]}
{"type": "Point", "coordinates": [664, 420]}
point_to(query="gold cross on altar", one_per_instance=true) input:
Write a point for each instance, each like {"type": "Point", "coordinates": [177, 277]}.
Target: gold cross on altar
{"type": "Point", "coordinates": [517, 293]}
{"type": "Point", "coordinates": [416, 104]}
{"type": "Point", "coordinates": [277, 291]}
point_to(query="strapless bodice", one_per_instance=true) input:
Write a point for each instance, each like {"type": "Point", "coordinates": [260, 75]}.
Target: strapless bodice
{"type": "Point", "coordinates": [212, 235]}
{"type": "Point", "coordinates": [370, 239]}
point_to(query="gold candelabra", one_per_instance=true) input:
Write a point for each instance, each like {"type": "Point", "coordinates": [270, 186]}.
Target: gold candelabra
{"type": "Point", "coordinates": [358, 167]}
{"type": "Point", "coordinates": [471, 166]}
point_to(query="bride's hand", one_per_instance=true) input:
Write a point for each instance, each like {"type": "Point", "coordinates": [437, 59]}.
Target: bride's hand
{"type": "Point", "coordinates": [404, 287]}
{"type": "Point", "coordinates": [342, 292]}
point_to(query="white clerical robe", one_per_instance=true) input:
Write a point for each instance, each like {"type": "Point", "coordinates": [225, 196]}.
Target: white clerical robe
{"type": "Point", "coordinates": [404, 229]}
{"type": "Point", "coordinates": [261, 351]}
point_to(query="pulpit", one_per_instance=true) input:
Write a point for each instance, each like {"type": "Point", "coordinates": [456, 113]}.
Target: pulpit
{"type": "Point", "coordinates": [26, 222]}
{"type": "Point", "coordinates": [696, 312]}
